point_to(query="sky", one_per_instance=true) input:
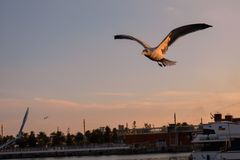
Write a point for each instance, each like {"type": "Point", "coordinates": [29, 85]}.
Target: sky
{"type": "Point", "coordinates": [59, 58]}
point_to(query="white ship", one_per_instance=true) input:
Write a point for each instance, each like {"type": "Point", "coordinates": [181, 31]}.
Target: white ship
{"type": "Point", "coordinates": [219, 140]}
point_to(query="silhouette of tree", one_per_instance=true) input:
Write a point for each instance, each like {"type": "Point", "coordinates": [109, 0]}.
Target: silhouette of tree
{"type": "Point", "coordinates": [114, 135]}
{"type": "Point", "coordinates": [178, 124]}
{"type": "Point", "coordinates": [1, 139]}
{"type": "Point", "coordinates": [32, 140]}
{"type": "Point", "coordinates": [78, 139]}
{"type": "Point", "coordinates": [23, 141]}
{"type": "Point", "coordinates": [146, 125]}
{"type": "Point", "coordinates": [57, 138]}
{"type": "Point", "coordinates": [69, 139]}
{"type": "Point", "coordinates": [42, 139]}
{"type": "Point", "coordinates": [107, 135]}
{"type": "Point", "coordinates": [96, 136]}
{"type": "Point", "coordinates": [6, 138]}
{"type": "Point", "coordinates": [88, 135]}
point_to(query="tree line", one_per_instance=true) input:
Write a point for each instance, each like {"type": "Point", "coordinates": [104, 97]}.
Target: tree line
{"type": "Point", "coordinates": [58, 138]}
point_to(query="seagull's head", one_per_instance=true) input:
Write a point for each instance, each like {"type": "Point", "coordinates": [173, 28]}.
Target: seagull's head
{"type": "Point", "coordinates": [146, 52]}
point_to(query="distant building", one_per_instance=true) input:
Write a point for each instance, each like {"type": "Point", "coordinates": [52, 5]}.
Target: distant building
{"type": "Point", "coordinates": [120, 127]}
{"type": "Point", "coordinates": [174, 137]}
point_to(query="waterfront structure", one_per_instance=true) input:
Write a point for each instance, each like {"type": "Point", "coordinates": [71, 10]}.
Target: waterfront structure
{"type": "Point", "coordinates": [218, 140]}
{"type": "Point", "coordinates": [175, 137]}
{"type": "Point", "coordinates": [20, 133]}
{"type": "Point", "coordinates": [86, 150]}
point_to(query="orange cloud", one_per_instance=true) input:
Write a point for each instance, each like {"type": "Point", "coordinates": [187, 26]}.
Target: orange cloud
{"type": "Point", "coordinates": [156, 108]}
{"type": "Point", "coordinates": [54, 102]}
{"type": "Point", "coordinates": [119, 94]}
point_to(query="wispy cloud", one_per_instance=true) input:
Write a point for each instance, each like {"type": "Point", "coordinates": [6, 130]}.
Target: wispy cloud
{"type": "Point", "coordinates": [157, 108]}
{"type": "Point", "coordinates": [170, 9]}
{"type": "Point", "coordinates": [116, 94]}
{"type": "Point", "coordinates": [60, 102]}
{"type": "Point", "coordinates": [203, 94]}
{"type": "Point", "coordinates": [178, 93]}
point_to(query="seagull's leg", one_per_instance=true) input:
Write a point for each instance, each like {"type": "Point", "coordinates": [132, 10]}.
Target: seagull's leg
{"type": "Point", "coordinates": [159, 63]}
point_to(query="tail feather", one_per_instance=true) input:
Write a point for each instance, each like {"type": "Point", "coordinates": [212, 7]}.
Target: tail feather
{"type": "Point", "coordinates": [167, 62]}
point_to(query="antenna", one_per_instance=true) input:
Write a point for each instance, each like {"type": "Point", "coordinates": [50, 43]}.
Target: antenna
{"type": "Point", "coordinates": [84, 125]}
{"type": "Point", "coordinates": [175, 119]}
{"type": "Point", "coordinates": [2, 130]}
{"type": "Point", "coordinates": [68, 130]}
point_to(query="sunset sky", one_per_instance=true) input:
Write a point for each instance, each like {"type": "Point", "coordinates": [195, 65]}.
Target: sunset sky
{"type": "Point", "coordinates": [59, 58]}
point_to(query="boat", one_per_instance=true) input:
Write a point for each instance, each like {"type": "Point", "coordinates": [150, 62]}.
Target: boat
{"type": "Point", "coordinates": [218, 140]}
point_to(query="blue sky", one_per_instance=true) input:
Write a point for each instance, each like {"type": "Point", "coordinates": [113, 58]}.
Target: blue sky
{"type": "Point", "coordinates": [60, 59]}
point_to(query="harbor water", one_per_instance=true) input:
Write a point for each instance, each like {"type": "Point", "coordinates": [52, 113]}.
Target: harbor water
{"type": "Point", "coordinates": [162, 156]}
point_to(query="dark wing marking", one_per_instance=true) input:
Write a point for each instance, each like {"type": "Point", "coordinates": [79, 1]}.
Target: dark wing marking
{"type": "Point", "coordinates": [181, 31]}
{"type": "Point", "coordinates": [132, 38]}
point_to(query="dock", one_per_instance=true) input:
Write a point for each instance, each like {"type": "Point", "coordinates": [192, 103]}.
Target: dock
{"type": "Point", "coordinates": [65, 151]}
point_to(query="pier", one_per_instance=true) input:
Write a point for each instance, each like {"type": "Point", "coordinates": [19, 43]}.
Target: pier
{"type": "Point", "coordinates": [66, 151]}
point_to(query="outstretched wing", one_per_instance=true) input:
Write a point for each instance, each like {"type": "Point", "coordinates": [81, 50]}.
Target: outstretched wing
{"type": "Point", "coordinates": [131, 38]}
{"type": "Point", "coordinates": [179, 32]}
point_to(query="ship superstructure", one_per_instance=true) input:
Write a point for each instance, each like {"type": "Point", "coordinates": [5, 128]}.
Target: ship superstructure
{"type": "Point", "coordinates": [218, 140]}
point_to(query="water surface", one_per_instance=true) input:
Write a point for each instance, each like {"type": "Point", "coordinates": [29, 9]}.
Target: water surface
{"type": "Point", "coordinates": [177, 156]}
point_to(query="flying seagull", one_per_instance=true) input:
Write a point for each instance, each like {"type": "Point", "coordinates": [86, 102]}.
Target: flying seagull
{"type": "Point", "coordinates": [158, 53]}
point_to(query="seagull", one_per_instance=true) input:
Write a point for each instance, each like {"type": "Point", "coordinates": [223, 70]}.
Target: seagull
{"type": "Point", "coordinates": [158, 53]}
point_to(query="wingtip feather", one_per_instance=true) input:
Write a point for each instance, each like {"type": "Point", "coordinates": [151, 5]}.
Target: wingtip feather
{"type": "Point", "coordinates": [207, 25]}
{"type": "Point", "coordinates": [117, 37]}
